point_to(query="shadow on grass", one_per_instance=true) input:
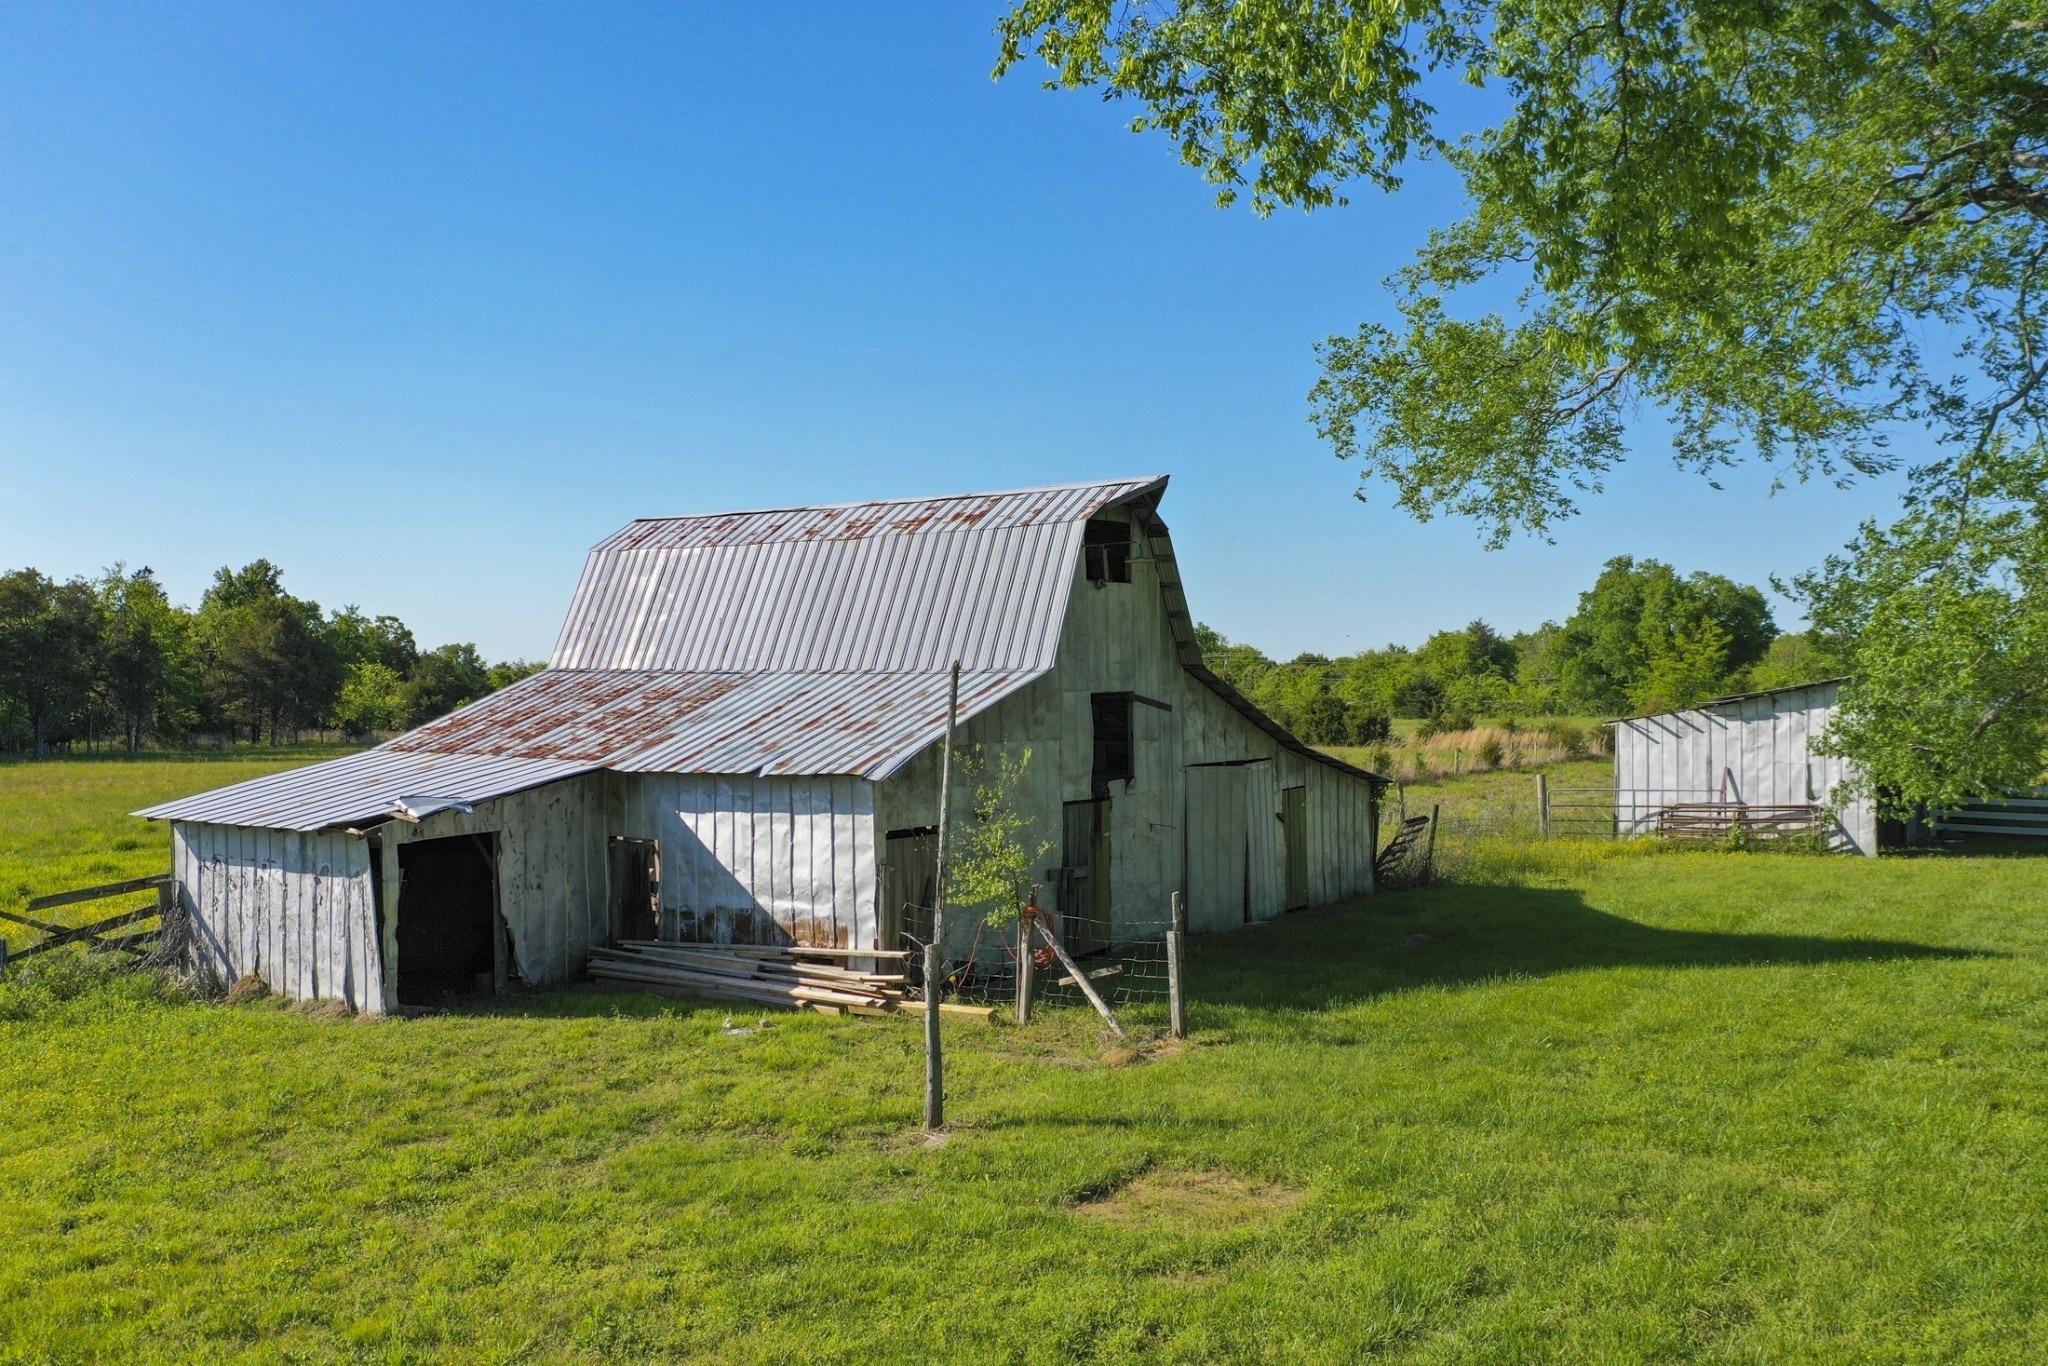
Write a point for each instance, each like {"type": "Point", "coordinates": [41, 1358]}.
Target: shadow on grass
{"type": "Point", "coordinates": [1455, 935]}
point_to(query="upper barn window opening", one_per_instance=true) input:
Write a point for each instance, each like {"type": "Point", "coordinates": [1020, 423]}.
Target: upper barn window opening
{"type": "Point", "coordinates": [1106, 547]}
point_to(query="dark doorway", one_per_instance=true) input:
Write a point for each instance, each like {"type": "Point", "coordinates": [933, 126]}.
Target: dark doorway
{"type": "Point", "coordinates": [1294, 816]}
{"type": "Point", "coordinates": [910, 884]}
{"type": "Point", "coordinates": [636, 888]}
{"type": "Point", "coordinates": [1084, 878]}
{"type": "Point", "coordinates": [447, 907]}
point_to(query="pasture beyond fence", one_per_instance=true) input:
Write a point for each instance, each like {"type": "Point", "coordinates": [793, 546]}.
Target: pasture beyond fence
{"type": "Point", "coordinates": [98, 936]}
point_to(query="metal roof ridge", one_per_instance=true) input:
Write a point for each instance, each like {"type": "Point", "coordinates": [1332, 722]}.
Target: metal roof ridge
{"type": "Point", "coordinates": [1142, 481]}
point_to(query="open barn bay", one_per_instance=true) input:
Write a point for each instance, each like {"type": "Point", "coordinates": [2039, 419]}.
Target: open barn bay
{"type": "Point", "coordinates": [1588, 1105]}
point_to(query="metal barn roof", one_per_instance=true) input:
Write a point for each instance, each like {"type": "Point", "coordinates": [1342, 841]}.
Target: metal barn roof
{"type": "Point", "coordinates": [364, 787]}
{"type": "Point", "coordinates": [912, 585]}
{"type": "Point", "coordinates": [792, 641]}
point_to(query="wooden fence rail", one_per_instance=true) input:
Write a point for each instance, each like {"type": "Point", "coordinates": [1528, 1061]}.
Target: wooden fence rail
{"type": "Point", "coordinates": [94, 935]}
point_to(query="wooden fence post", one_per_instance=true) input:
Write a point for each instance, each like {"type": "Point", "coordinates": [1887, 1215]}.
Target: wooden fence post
{"type": "Point", "coordinates": [934, 977]}
{"type": "Point", "coordinates": [1429, 858]}
{"type": "Point", "coordinates": [1024, 965]}
{"type": "Point", "coordinates": [1542, 806]}
{"type": "Point", "coordinates": [1177, 1001]}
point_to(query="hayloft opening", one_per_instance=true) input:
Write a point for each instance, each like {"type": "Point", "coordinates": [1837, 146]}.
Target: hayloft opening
{"type": "Point", "coordinates": [447, 906]}
{"type": "Point", "coordinates": [1106, 546]}
{"type": "Point", "coordinates": [1116, 757]}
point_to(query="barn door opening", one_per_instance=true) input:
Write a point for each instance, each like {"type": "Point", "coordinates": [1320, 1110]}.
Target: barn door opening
{"type": "Point", "coordinates": [636, 888]}
{"type": "Point", "coordinates": [910, 884]}
{"type": "Point", "coordinates": [1294, 819]}
{"type": "Point", "coordinates": [1084, 877]}
{"type": "Point", "coordinates": [447, 910]}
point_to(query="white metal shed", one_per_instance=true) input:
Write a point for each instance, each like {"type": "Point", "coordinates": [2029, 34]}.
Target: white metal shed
{"type": "Point", "coordinates": [1753, 748]}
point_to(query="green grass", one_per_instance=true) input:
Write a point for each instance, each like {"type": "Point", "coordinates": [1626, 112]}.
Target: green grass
{"type": "Point", "coordinates": [64, 823]}
{"type": "Point", "coordinates": [1604, 1106]}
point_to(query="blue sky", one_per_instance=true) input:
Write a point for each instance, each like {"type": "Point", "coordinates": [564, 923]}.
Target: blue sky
{"type": "Point", "coordinates": [422, 301]}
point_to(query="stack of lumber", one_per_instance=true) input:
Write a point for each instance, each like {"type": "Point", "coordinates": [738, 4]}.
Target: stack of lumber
{"type": "Point", "coordinates": [783, 975]}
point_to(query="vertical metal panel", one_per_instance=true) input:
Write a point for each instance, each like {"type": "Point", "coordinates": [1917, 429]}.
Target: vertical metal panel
{"type": "Point", "coordinates": [283, 906]}
{"type": "Point", "coordinates": [763, 860]}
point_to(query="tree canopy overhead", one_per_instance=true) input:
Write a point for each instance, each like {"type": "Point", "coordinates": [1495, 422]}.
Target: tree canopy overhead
{"type": "Point", "coordinates": [1746, 212]}
{"type": "Point", "coordinates": [1793, 228]}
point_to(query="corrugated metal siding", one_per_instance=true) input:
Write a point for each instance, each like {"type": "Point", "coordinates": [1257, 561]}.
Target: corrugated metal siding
{"type": "Point", "coordinates": [362, 787]}
{"type": "Point", "coordinates": [759, 860]}
{"type": "Point", "coordinates": [1760, 741]}
{"type": "Point", "coordinates": [295, 909]}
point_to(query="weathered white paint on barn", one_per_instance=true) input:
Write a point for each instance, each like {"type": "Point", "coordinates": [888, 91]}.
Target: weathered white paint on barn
{"type": "Point", "coordinates": [1752, 749]}
{"type": "Point", "coordinates": [295, 909]}
{"type": "Point", "coordinates": [1201, 816]}
{"type": "Point", "coordinates": [792, 847]}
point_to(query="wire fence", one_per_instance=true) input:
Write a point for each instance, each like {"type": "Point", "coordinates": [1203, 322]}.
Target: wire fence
{"type": "Point", "coordinates": [1123, 955]}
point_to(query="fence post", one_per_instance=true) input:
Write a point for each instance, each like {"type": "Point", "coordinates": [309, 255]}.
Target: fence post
{"type": "Point", "coordinates": [1542, 806]}
{"type": "Point", "coordinates": [1024, 965]}
{"type": "Point", "coordinates": [1177, 1001]}
{"type": "Point", "coordinates": [1429, 858]}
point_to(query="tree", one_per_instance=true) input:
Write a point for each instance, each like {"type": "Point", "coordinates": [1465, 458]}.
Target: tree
{"type": "Point", "coordinates": [1788, 229]}
{"type": "Point", "coordinates": [358, 639]}
{"type": "Point", "coordinates": [269, 662]}
{"type": "Point", "coordinates": [990, 864]}
{"type": "Point", "coordinates": [1746, 215]}
{"type": "Point", "coordinates": [1796, 658]}
{"type": "Point", "coordinates": [511, 671]}
{"type": "Point", "coordinates": [1645, 639]}
{"type": "Point", "coordinates": [445, 678]}
{"type": "Point", "coordinates": [49, 644]}
{"type": "Point", "coordinates": [1946, 614]}
{"type": "Point", "coordinates": [373, 698]}
{"type": "Point", "coordinates": [147, 669]}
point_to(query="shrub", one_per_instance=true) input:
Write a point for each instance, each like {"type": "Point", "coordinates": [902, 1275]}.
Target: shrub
{"type": "Point", "coordinates": [1429, 729]}
{"type": "Point", "coordinates": [1419, 761]}
{"type": "Point", "coordinates": [1490, 752]}
{"type": "Point", "coordinates": [1568, 736]}
{"type": "Point", "coordinates": [1508, 725]}
{"type": "Point", "coordinates": [1380, 759]}
{"type": "Point", "coordinates": [1369, 726]}
{"type": "Point", "coordinates": [1454, 718]}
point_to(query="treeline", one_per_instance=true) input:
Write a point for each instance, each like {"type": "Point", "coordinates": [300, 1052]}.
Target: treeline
{"type": "Point", "coordinates": [1643, 639]}
{"type": "Point", "coordinates": [115, 662]}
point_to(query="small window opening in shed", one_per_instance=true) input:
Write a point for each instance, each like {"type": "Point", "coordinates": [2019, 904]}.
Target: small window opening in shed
{"type": "Point", "coordinates": [1115, 753]}
{"type": "Point", "coordinates": [447, 909]}
{"type": "Point", "coordinates": [1106, 546]}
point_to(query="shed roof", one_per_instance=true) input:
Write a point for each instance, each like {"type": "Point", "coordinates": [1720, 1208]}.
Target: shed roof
{"type": "Point", "coordinates": [1733, 698]}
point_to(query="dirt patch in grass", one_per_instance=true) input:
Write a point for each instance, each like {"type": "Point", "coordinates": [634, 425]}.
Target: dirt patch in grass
{"type": "Point", "coordinates": [1214, 1199]}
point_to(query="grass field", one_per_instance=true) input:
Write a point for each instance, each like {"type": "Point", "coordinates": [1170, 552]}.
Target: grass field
{"type": "Point", "coordinates": [1595, 1105]}
{"type": "Point", "coordinates": [64, 823]}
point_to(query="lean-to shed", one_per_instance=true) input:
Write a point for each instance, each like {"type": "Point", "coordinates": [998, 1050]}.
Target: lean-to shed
{"type": "Point", "coordinates": [736, 740]}
{"type": "Point", "coordinates": [1753, 749]}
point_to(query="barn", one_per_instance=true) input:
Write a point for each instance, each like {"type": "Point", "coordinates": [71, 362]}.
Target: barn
{"type": "Point", "coordinates": [1748, 751]}
{"type": "Point", "coordinates": [737, 741]}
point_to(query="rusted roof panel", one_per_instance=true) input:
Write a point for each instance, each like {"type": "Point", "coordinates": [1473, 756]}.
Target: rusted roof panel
{"type": "Point", "coordinates": [563, 722]}
{"type": "Point", "coordinates": [655, 721]}
{"type": "Point", "coordinates": [881, 587]}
